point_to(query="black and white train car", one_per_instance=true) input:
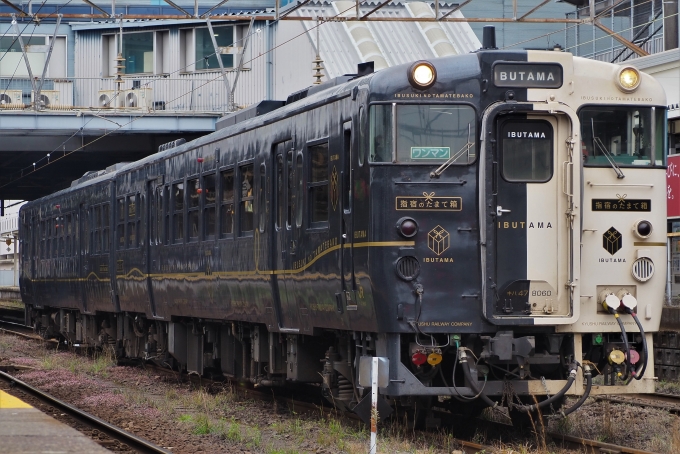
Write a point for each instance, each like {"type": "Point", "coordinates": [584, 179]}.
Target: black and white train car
{"type": "Point", "coordinates": [483, 222]}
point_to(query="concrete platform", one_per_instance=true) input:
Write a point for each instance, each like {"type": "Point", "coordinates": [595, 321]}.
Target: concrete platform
{"type": "Point", "coordinates": [24, 429]}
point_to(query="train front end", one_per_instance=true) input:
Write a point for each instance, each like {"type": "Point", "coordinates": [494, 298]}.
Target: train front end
{"type": "Point", "coordinates": [523, 195]}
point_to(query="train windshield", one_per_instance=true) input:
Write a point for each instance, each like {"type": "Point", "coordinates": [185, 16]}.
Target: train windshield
{"type": "Point", "coordinates": [623, 136]}
{"type": "Point", "coordinates": [425, 134]}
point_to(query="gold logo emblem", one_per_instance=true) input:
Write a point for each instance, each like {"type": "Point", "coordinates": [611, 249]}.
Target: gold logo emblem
{"type": "Point", "coordinates": [438, 240]}
{"type": "Point", "coordinates": [334, 188]}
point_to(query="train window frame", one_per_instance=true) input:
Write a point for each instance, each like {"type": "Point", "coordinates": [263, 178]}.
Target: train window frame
{"type": "Point", "coordinates": [290, 196]}
{"type": "Point", "coordinates": [660, 146]}
{"type": "Point", "coordinates": [177, 212]}
{"type": "Point", "coordinates": [502, 150]}
{"type": "Point", "coordinates": [120, 223]}
{"type": "Point", "coordinates": [209, 205]}
{"type": "Point", "coordinates": [393, 134]}
{"type": "Point", "coordinates": [134, 207]}
{"type": "Point", "coordinates": [262, 199]}
{"type": "Point", "coordinates": [314, 185]}
{"type": "Point", "coordinates": [300, 166]}
{"type": "Point", "coordinates": [96, 230]}
{"type": "Point", "coordinates": [106, 227]}
{"type": "Point", "coordinates": [363, 126]}
{"type": "Point", "coordinates": [246, 203]}
{"type": "Point", "coordinates": [347, 166]}
{"type": "Point", "coordinates": [226, 206]}
{"type": "Point", "coordinates": [279, 167]}
{"type": "Point", "coordinates": [193, 208]}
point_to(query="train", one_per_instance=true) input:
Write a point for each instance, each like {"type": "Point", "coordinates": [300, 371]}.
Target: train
{"type": "Point", "coordinates": [490, 226]}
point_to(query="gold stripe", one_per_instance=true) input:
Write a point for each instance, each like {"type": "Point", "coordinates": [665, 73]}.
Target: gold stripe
{"type": "Point", "coordinates": [139, 275]}
{"type": "Point", "coordinates": [642, 243]}
{"type": "Point", "coordinates": [673, 234]}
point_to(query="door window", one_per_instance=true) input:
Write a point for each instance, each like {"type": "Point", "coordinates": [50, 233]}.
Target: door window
{"type": "Point", "coordinates": [526, 151]}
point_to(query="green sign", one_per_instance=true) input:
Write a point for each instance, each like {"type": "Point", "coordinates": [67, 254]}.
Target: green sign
{"type": "Point", "coordinates": [430, 152]}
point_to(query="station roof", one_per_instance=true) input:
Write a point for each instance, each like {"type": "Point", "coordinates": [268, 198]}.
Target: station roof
{"type": "Point", "coordinates": [77, 144]}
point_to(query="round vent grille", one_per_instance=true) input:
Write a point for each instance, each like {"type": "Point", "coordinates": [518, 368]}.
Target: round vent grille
{"type": "Point", "coordinates": [643, 269]}
{"type": "Point", "coordinates": [408, 267]}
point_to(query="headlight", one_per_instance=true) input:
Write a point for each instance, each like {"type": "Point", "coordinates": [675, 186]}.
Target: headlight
{"type": "Point", "coordinates": [422, 75]}
{"type": "Point", "coordinates": [628, 79]}
{"type": "Point", "coordinates": [642, 228]}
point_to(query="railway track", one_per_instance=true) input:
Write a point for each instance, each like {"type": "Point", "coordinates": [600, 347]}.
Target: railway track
{"type": "Point", "coordinates": [574, 444]}
{"type": "Point", "coordinates": [669, 402]}
{"type": "Point", "coordinates": [304, 403]}
{"type": "Point", "coordinates": [134, 442]}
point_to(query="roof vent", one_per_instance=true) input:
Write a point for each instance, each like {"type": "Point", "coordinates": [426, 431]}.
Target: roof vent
{"type": "Point", "coordinates": [170, 145]}
{"type": "Point", "coordinates": [364, 69]}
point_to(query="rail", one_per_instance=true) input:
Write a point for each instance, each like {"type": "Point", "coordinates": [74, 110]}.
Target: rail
{"type": "Point", "coordinates": [134, 442]}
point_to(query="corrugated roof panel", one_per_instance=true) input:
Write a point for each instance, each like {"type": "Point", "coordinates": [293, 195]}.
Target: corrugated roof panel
{"type": "Point", "coordinates": [347, 43]}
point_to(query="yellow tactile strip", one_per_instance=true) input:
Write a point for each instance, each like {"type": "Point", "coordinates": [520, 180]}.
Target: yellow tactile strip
{"type": "Point", "coordinates": [9, 401]}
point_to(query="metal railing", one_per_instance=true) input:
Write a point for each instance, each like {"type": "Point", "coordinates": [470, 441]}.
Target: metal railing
{"type": "Point", "coordinates": [197, 92]}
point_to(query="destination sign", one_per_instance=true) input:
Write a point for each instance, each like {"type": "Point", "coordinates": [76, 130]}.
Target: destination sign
{"type": "Point", "coordinates": [430, 152]}
{"type": "Point", "coordinates": [527, 75]}
{"type": "Point", "coordinates": [621, 204]}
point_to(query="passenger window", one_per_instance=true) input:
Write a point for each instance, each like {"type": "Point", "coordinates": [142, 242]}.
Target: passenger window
{"type": "Point", "coordinates": [318, 183]}
{"type": "Point", "coordinates": [227, 203]}
{"type": "Point", "coordinates": [120, 228]}
{"type": "Point", "coordinates": [194, 196]}
{"type": "Point", "coordinates": [106, 219]}
{"type": "Point", "coordinates": [526, 151]}
{"type": "Point", "coordinates": [178, 214]}
{"type": "Point", "coordinates": [381, 133]}
{"type": "Point", "coordinates": [279, 191]}
{"type": "Point", "coordinates": [209, 197]}
{"type": "Point", "coordinates": [347, 166]}
{"type": "Point", "coordinates": [291, 189]}
{"type": "Point", "coordinates": [261, 203]}
{"type": "Point", "coordinates": [246, 214]}
{"type": "Point", "coordinates": [133, 237]}
{"type": "Point", "coordinates": [300, 191]}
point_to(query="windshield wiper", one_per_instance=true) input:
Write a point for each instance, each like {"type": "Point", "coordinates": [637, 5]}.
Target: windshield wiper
{"type": "Point", "coordinates": [458, 154]}
{"type": "Point", "coordinates": [607, 154]}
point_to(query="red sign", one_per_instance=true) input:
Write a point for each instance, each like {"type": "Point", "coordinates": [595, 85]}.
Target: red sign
{"type": "Point", "coordinates": [673, 186]}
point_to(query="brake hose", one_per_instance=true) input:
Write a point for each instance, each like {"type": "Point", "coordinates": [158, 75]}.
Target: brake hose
{"type": "Point", "coordinates": [641, 370]}
{"type": "Point", "coordinates": [524, 408]}
{"type": "Point", "coordinates": [624, 336]}
{"type": "Point", "coordinates": [589, 384]}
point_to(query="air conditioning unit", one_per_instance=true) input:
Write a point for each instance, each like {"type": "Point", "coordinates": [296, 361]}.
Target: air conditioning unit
{"type": "Point", "coordinates": [110, 99]}
{"type": "Point", "coordinates": [49, 98]}
{"type": "Point", "coordinates": [11, 97]}
{"type": "Point", "coordinates": [139, 98]}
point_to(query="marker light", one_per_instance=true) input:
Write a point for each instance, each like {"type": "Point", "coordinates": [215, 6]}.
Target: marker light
{"type": "Point", "coordinates": [617, 357]}
{"type": "Point", "coordinates": [407, 227]}
{"type": "Point", "coordinates": [634, 357]}
{"type": "Point", "coordinates": [422, 75]}
{"type": "Point", "coordinates": [643, 228]}
{"type": "Point", "coordinates": [418, 358]}
{"type": "Point", "coordinates": [628, 79]}
{"type": "Point", "coordinates": [434, 358]}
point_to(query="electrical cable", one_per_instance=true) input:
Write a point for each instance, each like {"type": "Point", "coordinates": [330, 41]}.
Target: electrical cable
{"type": "Point", "coordinates": [35, 168]}
{"type": "Point", "coordinates": [524, 408]}
{"type": "Point", "coordinates": [638, 374]}
{"type": "Point", "coordinates": [587, 373]}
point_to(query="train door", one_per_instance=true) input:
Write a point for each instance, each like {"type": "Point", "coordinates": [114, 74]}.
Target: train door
{"type": "Point", "coordinates": [82, 236]}
{"type": "Point", "coordinates": [151, 227]}
{"type": "Point", "coordinates": [530, 240]}
{"type": "Point", "coordinates": [283, 240]}
{"type": "Point", "coordinates": [346, 240]}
